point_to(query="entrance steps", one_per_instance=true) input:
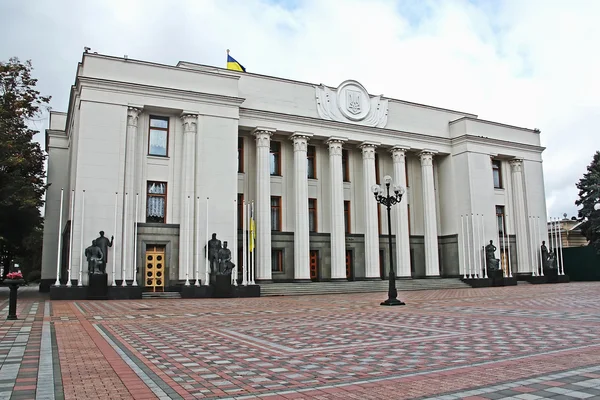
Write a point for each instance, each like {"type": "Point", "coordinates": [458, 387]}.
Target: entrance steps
{"type": "Point", "coordinates": [312, 288]}
{"type": "Point", "coordinates": [161, 295]}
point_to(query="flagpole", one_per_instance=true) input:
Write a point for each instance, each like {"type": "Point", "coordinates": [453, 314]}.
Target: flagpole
{"type": "Point", "coordinates": [135, 255]}
{"type": "Point", "coordinates": [234, 245]}
{"type": "Point", "coordinates": [69, 283]}
{"type": "Point", "coordinates": [509, 261]}
{"type": "Point", "coordinates": [481, 247]}
{"type": "Point", "coordinates": [197, 282]}
{"type": "Point", "coordinates": [252, 232]}
{"type": "Point", "coordinates": [462, 227]}
{"type": "Point", "coordinates": [124, 251]}
{"type": "Point", "coordinates": [79, 283]}
{"type": "Point", "coordinates": [114, 260]}
{"type": "Point", "coordinates": [187, 238]}
{"type": "Point", "coordinates": [561, 268]}
{"type": "Point", "coordinates": [58, 253]}
{"type": "Point", "coordinates": [244, 246]}
{"type": "Point", "coordinates": [206, 272]}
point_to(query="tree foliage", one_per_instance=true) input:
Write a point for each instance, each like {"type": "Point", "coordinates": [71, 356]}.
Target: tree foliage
{"type": "Point", "coordinates": [589, 196]}
{"type": "Point", "coordinates": [22, 174]}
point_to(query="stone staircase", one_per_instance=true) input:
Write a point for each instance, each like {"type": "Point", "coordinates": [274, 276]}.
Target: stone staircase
{"type": "Point", "coordinates": [161, 295]}
{"type": "Point", "coordinates": [297, 289]}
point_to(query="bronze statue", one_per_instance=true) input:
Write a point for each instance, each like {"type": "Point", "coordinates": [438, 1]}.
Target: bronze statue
{"type": "Point", "coordinates": [544, 254]}
{"type": "Point", "coordinates": [103, 243]}
{"type": "Point", "coordinates": [214, 245]}
{"type": "Point", "coordinates": [225, 264]}
{"type": "Point", "coordinates": [492, 263]}
{"type": "Point", "coordinates": [94, 258]}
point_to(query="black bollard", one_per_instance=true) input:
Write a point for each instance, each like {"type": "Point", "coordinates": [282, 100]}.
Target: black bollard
{"type": "Point", "coordinates": [12, 301]}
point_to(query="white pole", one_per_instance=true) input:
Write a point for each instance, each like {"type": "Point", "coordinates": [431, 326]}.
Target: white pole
{"type": "Point", "coordinates": [197, 282]}
{"type": "Point", "coordinates": [81, 246]}
{"type": "Point", "coordinates": [114, 260]}
{"type": "Point", "coordinates": [206, 271]}
{"type": "Point", "coordinates": [561, 269]}
{"type": "Point", "coordinates": [531, 240]}
{"type": "Point", "coordinates": [124, 283]}
{"type": "Point", "coordinates": [244, 246]}
{"type": "Point", "coordinates": [135, 240]}
{"type": "Point", "coordinates": [252, 282]}
{"type": "Point", "coordinates": [481, 247]}
{"type": "Point", "coordinates": [187, 248]}
{"type": "Point", "coordinates": [464, 260]}
{"type": "Point", "coordinates": [536, 240]}
{"type": "Point", "coordinates": [477, 246]}
{"type": "Point", "coordinates": [502, 221]}
{"type": "Point", "coordinates": [509, 260]}
{"type": "Point", "coordinates": [539, 244]}
{"type": "Point", "coordinates": [555, 223]}
{"type": "Point", "coordinates": [234, 245]}
{"type": "Point", "coordinates": [472, 242]}
{"type": "Point", "coordinates": [58, 253]}
{"type": "Point", "coordinates": [69, 284]}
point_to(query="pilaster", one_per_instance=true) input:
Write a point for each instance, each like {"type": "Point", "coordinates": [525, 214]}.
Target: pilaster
{"type": "Point", "coordinates": [401, 215]}
{"type": "Point", "coordinates": [520, 215]}
{"type": "Point", "coordinates": [432, 262]}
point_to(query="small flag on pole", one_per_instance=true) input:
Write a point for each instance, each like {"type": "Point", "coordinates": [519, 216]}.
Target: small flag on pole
{"type": "Point", "coordinates": [252, 231]}
{"type": "Point", "coordinates": [233, 64]}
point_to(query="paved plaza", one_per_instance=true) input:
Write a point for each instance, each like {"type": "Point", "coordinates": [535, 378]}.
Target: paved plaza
{"type": "Point", "coordinates": [523, 342]}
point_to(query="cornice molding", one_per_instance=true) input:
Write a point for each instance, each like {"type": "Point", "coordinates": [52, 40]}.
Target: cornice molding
{"type": "Point", "coordinates": [158, 91]}
{"type": "Point", "coordinates": [497, 142]}
{"type": "Point", "coordinates": [486, 122]}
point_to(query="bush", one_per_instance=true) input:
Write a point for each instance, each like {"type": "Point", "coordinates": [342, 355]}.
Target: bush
{"type": "Point", "coordinates": [34, 276]}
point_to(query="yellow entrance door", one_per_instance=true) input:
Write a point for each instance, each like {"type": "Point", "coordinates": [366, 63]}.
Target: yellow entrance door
{"type": "Point", "coordinates": [314, 265]}
{"type": "Point", "coordinates": [155, 268]}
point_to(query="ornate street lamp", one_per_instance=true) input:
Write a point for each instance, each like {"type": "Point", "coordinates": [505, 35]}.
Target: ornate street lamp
{"type": "Point", "coordinates": [388, 201]}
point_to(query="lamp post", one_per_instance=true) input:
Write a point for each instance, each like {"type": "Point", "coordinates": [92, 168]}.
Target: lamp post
{"type": "Point", "coordinates": [388, 201]}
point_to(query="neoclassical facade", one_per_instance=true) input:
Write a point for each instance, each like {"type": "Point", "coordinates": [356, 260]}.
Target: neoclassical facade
{"type": "Point", "coordinates": [163, 156]}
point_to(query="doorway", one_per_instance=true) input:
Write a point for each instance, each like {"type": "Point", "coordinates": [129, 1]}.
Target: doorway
{"type": "Point", "coordinates": [349, 266]}
{"type": "Point", "coordinates": [314, 265]}
{"type": "Point", "coordinates": [155, 268]}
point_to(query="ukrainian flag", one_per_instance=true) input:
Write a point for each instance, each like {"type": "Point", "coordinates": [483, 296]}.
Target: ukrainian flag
{"type": "Point", "coordinates": [234, 65]}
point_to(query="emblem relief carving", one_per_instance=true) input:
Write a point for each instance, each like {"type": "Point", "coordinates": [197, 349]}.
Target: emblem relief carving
{"type": "Point", "coordinates": [133, 114]}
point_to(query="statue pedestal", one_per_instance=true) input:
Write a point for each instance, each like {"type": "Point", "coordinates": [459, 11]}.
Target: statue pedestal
{"type": "Point", "coordinates": [222, 286]}
{"type": "Point", "coordinates": [496, 277]}
{"type": "Point", "coordinates": [98, 287]}
{"type": "Point", "coordinates": [551, 275]}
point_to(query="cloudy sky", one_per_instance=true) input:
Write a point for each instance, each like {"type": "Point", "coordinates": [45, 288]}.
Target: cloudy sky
{"type": "Point", "coordinates": [530, 63]}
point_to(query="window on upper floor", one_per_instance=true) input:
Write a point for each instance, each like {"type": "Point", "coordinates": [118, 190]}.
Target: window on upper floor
{"type": "Point", "coordinates": [240, 154]}
{"type": "Point", "coordinates": [501, 221]}
{"type": "Point", "coordinates": [158, 136]}
{"type": "Point", "coordinates": [311, 158]}
{"type": "Point", "coordinates": [312, 215]}
{"type": "Point", "coordinates": [276, 213]}
{"type": "Point", "coordinates": [345, 166]}
{"type": "Point", "coordinates": [347, 216]}
{"type": "Point", "coordinates": [156, 201]}
{"type": "Point", "coordinates": [275, 162]}
{"type": "Point", "coordinates": [497, 171]}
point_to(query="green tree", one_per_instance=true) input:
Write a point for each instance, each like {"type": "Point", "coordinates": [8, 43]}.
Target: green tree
{"type": "Point", "coordinates": [22, 173]}
{"type": "Point", "coordinates": [589, 196]}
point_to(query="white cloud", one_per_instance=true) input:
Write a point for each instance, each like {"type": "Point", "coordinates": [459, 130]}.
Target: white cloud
{"type": "Point", "coordinates": [528, 63]}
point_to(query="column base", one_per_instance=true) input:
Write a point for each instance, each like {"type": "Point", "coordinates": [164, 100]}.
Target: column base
{"type": "Point", "coordinates": [371, 278]}
{"type": "Point", "coordinates": [339, 280]}
{"type": "Point", "coordinates": [392, 302]}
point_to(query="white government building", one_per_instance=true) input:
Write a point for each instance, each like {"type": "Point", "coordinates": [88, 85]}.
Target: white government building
{"type": "Point", "coordinates": [306, 155]}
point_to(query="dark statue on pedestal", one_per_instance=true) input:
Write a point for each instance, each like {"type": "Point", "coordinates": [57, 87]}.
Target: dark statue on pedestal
{"type": "Point", "coordinates": [492, 263]}
{"type": "Point", "coordinates": [103, 243]}
{"type": "Point", "coordinates": [94, 256]}
{"type": "Point", "coordinates": [544, 251]}
{"type": "Point", "coordinates": [220, 267]}
{"type": "Point", "coordinates": [214, 245]}
{"type": "Point", "coordinates": [225, 264]}
{"type": "Point", "coordinates": [551, 261]}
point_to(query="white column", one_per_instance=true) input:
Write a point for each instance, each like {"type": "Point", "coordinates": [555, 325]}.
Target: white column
{"type": "Point", "coordinates": [520, 215]}
{"type": "Point", "coordinates": [263, 204]}
{"type": "Point", "coordinates": [401, 214]}
{"type": "Point", "coordinates": [186, 205]}
{"type": "Point", "coordinates": [371, 222]}
{"type": "Point", "coordinates": [432, 262]}
{"type": "Point", "coordinates": [301, 228]}
{"type": "Point", "coordinates": [133, 114]}
{"type": "Point", "coordinates": [338, 237]}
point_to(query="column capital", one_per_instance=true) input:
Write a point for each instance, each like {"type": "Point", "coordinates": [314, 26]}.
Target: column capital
{"type": "Point", "coordinates": [427, 157]}
{"type": "Point", "coordinates": [399, 153]}
{"type": "Point", "coordinates": [133, 114]}
{"type": "Point", "coordinates": [263, 136]}
{"type": "Point", "coordinates": [335, 145]}
{"type": "Point", "coordinates": [300, 140]}
{"type": "Point", "coordinates": [190, 122]}
{"type": "Point", "coordinates": [516, 164]}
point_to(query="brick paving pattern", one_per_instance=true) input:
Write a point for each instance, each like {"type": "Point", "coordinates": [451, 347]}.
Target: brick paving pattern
{"type": "Point", "coordinates": [525, 342]}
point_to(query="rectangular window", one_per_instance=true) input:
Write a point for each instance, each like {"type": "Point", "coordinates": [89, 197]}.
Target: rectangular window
{"type": "Point", "coordinates": [275, 158]}
{"type": "Point", "coordinates": [312, 215]}
{"type": "Point", "coordinates": [240, 154]}
{"type": "Point", "coordinates": [311, 157]}
{"type": "Point", "coordinates": [275, 213]}
{"type": "Point", "coordinates": [240, 211]}
{"type": "Point", "coordinates": [345, 166]}
{"type": "Point", "coordinates": [497, 171]}
{"type": "Point", "coordinates": [158, 136]}
{"type": "Point", "coordinates": [501, 220]}
{"type": "Point", "coordinates": [377, 168]}
{"type": "Point", "coordinates": [276, 260]}
{"type": "Point", "coordinates": [408, 216]}
{"type": "Point", "coordinates": [156, 200]}
{"type": "Point", "coordinates": [347, 216]}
